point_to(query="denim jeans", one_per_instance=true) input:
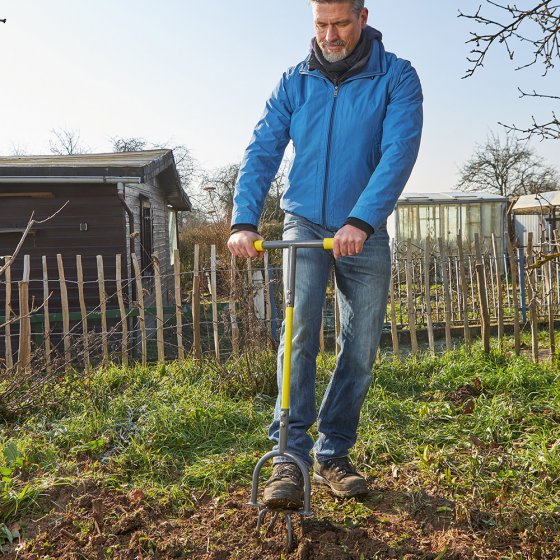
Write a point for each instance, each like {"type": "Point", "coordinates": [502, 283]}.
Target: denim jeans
{"type": "Point", "coordinates": [362, 288]}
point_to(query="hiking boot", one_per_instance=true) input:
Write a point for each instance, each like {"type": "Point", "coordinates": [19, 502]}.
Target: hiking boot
{"type": "Point", "coordinates": [284, 489]}
{"type": "Point", "coordinates": [341, 477]}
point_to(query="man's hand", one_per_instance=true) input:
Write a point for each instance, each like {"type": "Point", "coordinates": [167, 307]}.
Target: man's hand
{"type": "Point", "coordinates": [348, 241]}
{"type": "Point", "coordinates": [241, 244]}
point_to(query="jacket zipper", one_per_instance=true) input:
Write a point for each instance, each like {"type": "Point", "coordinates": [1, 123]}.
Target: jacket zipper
{"type": "Point", "coordinates": [324, 213]}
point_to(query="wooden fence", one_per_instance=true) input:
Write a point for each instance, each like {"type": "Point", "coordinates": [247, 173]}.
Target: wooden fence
{"type": "Point", "coordinates": [221, 308]}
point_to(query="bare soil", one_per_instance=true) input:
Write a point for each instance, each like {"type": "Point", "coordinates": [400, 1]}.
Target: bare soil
{"type": "Point", "coordinates": [88, 521]}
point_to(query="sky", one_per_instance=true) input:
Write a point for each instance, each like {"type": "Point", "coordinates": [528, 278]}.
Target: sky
{"type": "Point", "coordinates": [198, 72]}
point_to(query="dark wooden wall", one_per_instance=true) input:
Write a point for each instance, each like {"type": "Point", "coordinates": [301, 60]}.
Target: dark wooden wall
{"type": "Point", "coordinates": [95, 205]}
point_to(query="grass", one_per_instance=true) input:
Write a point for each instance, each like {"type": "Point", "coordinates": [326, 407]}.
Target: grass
{"type": "Point", "coordinates": [178, 430]}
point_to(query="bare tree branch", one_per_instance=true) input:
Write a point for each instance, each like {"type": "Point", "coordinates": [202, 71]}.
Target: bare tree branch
{"type": "Point", "coordinates": [66, 143]}
{"type": "Point", "coordinates": [32, 222]}
{"type": "Point", "coordinates": [537, 26]}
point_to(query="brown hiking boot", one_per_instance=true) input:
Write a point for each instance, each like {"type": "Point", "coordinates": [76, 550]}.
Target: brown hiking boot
{"type": "Point", "coordinates": [341, 477]}
{"type": "Point", "coordinates": [284, 489]}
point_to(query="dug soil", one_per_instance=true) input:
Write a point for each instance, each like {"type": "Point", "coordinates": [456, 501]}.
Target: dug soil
{"type": "Point", "coordinates": [88, 521]}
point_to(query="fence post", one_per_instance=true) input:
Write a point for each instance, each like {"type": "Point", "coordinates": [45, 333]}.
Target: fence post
{"type": "Point", "coordinates": [83, 310]}
{"type": "Point", "coordinates": [47, 320]}
{"type": "Point", "coordinates": [65, 310]}
{"type": "Point", "coordinates": [550, 299]}
{"type": "Point", "coordinates": [533, 318]}
{"type": "Point", "coordinates": [499, 290]}
{"type": "Point", "coordinates": [482, 296]}
{"type": "Point", "coordinates": [178, 305]}
{"type": "Point", "coordinates": [232, 307]}
{"type": "Point", "coordinates": [428, 296]}
{"type": "Point", "coordinates": [197, 348]}
{"type": "Point", "coordinates": [140, 303]}
{"type": "Point", "coordinates": [515, 295]}
{"type": "Point", "coordinates": [464, 287]}
{"type": "Point", "coordinates": [8, 316]}
{"type": "Point", "coordinates": [159, 309]}
{"type": "Point", "coordinates": [103, 306]}
{"type": "Point", "coordinates": [446, 293]}
{"type": "Point", "coordinates": [122, 310]}
{"type": "Point", "coordinates": [213, 261]}
{"type": "Point", "coordinates": [24, 352]}
{"type": "Point", "coordinates": [394, 330]}
{"type": "Point", "coordinates": [267, 301]}
{"type": "Point", "coordinates": [411, 306]}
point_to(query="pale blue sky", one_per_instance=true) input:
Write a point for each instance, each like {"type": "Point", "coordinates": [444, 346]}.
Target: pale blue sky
{"type": "Point", "coordinates": [198, 73]}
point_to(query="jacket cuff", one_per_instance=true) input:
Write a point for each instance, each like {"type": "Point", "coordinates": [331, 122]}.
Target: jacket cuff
{"type": "Point", "coordinates": [243, 227]}
{"type": "Point", "coordinates": [360, 224]}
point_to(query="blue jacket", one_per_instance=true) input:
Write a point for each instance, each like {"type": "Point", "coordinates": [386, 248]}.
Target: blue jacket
{"type": "Point", "coordinates": [355, 144]}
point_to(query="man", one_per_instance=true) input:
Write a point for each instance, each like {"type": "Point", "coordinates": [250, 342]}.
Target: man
{"type": "Point", "coordinates": [354, 114]}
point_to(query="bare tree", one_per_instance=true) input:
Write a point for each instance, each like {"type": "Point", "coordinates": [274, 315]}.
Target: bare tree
{"type": "Point", "coordinates": [507, 168]}
{"type": "Point", "coordinates": [122, 144]}
{"type": "Point", "coordinates": [538, 26]}
{"type": "Point", "coordinates": [66, 142]}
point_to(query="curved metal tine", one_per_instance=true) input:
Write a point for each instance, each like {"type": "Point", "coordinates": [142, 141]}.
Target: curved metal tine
{"type": "Point", "coordinates": [272, 523]}
{"type": "Point", "coordinates": [260, 518]}
{"type": "Point", "coordinates": [290, 529]}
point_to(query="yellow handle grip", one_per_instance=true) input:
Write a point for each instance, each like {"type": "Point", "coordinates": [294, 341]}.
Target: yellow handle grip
{"type": "Point", "coordinates": [259, 245]}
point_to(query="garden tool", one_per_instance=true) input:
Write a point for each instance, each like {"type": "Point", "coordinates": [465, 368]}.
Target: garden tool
{"type": "Point", "coordinates": [292, 247]}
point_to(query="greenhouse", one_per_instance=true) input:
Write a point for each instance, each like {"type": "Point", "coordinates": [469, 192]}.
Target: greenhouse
{"type": "Point", "coordinates": [419, 216]}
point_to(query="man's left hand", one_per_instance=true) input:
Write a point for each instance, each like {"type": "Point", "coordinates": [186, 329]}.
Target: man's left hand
{"type": "Point", "coordinates": [348, 241]}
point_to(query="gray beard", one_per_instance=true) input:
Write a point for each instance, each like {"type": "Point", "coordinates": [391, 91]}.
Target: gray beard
{"type": "Point", "coordinates": [334, 57]}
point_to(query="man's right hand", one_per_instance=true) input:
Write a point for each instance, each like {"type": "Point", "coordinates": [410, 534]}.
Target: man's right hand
{"type": "Point", "coordinates": [241, 244]}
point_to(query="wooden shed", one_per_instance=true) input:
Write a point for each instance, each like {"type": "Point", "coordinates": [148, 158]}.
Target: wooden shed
{"type": "Point", "coordinates": [116, 204]}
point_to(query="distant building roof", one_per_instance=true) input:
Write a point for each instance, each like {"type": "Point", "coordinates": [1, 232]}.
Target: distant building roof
{"type": "Point", "coordinates": [536, 203]}
{"type": "Point", "coordinates": [450, 197]}
{"type": "Point", "coordinates": [145, 165]}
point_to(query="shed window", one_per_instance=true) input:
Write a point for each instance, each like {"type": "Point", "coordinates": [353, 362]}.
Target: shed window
{"type": "Point", "coordinates": [146, 237]}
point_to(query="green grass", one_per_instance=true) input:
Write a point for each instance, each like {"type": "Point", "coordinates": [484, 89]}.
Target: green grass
{"type": "Point", "coordinates": [182, 429]}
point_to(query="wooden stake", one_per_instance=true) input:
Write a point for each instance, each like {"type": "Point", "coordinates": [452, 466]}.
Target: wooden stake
{"type": "Point", "coordinates": [500, 293]}
{"type": "Point", "coordinates": [83, 311]}
{"type": "Point", "coordinates": [394, 329]}
{"type": "Point", "coordinates": [24, 352]}
{"type": "Point", "coordinates": [464, 291]}
{"type": "Point", "coordinates": [267, 301]}
{"type": "Point", "coordinates": [482, 296]}
{"type": "Point", "coordinates": [411, 305]}
{"type": "Point", "coordinates": [8, 317]}
{"type": "Point", "coordinates": [515, 295]}
{"type": "Point", "coordinates": [232, 307]}
{"type": "Point", "coordinates": [140, 303]}
{"type": "Point", "coordinates": [213, 262]}
{"type": "Point", "coordinates": [550, 300]}
{"type": "Point", "coordinates": [103, 307]}
{"type": "Point", "coordinates": [428, 296]}
{"type": "Point", "coordinates": [160, 320]}
{"type": "Point", "coordinates": [178, 304]}
{"type": "Point", "coordinates": [446, 293]}
{"type": "Point", "coordinates": [122, 311]}
{"type": "Point", "coordinates": [533, 316]}
{"type": "Point", "coordinates": [65, 311]}
{"type": "Point", "coordinates": [197, 346]}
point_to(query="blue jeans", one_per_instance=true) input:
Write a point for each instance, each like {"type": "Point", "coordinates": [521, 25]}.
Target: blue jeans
{"type": "Point", "coordinates": [362, 288]}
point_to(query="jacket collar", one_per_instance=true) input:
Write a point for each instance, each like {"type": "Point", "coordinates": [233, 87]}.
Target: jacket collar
{"type": "Point", "coordinates": [376, 65]}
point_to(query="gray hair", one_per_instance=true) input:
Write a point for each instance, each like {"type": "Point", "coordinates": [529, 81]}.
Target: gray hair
{"type": "Point", "coordinates": [357, 5]}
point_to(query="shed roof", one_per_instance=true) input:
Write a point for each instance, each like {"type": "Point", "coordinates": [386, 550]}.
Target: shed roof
{"type": "Point", "coordinates": [144, 165]}
{"type": "Point", "coordinates": [450, 197]}
{"type": "Point", "coordinates": [536, 203]}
